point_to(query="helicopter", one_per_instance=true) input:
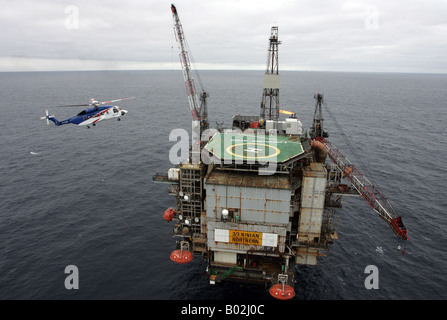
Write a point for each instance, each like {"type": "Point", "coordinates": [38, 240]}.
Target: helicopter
{"type": "Point", "coordinates": [91, 116]}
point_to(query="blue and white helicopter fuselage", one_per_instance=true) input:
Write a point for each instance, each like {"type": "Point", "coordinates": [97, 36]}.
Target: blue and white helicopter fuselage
{"type": "Point", "coordinates": [89, 116]}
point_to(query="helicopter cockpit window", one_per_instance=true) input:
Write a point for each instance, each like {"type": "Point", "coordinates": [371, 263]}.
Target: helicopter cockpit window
{"type": "Point", "coordinates": [115, 110]}
{"type": "Point", "coordinates": [81, 113]}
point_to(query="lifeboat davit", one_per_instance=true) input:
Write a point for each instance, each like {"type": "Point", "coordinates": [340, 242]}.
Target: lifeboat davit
{"type": "Point", "coordinates": [181, 256]}
{"type": "Point", "coordinates": [282, 292]}
{"type": "Point", "coordinates": [169, 214]}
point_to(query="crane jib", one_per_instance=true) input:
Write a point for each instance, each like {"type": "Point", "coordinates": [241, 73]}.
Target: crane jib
{"type": "Point", "coordinates": [186, 67]}
{"type": "Point", "coordinates": [368, 191]}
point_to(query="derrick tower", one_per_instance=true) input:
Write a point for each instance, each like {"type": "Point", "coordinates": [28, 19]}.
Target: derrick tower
{"type": "Point", "coordinates": [270, 95]}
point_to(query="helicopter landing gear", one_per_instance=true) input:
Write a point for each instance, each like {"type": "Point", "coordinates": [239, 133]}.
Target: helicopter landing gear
{"type": "Point", "coordinates": [119, 119]}
{"type": "Point", "coordinates": [88, 127]}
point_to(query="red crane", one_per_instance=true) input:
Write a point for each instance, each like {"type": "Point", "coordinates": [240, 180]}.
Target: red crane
{"type": "Point", "coordinates": [365, 187]}
{"type": "Point", "coordinates": [369, 192]}
{"type": "Point", "coordinates": [199, 112]}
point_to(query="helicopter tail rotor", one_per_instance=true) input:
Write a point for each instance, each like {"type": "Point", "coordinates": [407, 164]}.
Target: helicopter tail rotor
{"type": "Point", "coordinates": [47, 116]}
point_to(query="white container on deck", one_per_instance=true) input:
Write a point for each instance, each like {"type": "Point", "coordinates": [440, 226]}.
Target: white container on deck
{"type": "Point", "coordinates": [174, 174]}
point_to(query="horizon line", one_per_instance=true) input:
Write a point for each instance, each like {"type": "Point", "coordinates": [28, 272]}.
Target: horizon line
{"type": "Point", "coordinates": [211, 69]}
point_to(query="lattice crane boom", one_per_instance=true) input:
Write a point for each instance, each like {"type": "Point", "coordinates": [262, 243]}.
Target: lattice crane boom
{"type": "Point", "coordinates": [198, 111]}
{"type": "Point", "coordinates": [365, 187]}
{"type": "Point", "coordinates": [369, 192]}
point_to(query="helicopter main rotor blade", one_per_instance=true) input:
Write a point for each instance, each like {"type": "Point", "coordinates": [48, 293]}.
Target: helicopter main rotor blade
{"type": "Point", "coordinates": [117, 100]}
{"type": "Point", "coordinates": [72, 105]}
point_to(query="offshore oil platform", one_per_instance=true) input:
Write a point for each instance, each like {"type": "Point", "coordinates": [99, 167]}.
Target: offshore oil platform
{"type": "Point", "coordinates": [259, 198]}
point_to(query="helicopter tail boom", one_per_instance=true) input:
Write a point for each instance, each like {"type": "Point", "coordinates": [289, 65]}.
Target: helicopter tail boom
{"type": "Point", "coordinates": [56, 122]}
{"type": "Point", "coordinates": [50, 117]}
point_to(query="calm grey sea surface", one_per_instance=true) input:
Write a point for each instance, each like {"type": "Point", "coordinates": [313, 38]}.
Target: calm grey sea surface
{"type": "Point", "coordinates": [85, 197]}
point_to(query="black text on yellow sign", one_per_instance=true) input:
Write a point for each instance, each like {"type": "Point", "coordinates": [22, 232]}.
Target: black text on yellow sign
{"type": "Point", "coordinates": [245, 237]}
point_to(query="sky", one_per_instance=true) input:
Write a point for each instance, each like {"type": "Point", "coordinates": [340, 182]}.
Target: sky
{"type": "Point", "coordinates": [316, 35]}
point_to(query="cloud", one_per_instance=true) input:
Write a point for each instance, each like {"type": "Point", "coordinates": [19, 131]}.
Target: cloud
{"type": "Point", "coordinates": [397, 36]}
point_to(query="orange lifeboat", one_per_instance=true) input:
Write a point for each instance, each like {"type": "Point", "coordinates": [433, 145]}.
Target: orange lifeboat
{"type": "Point", "coordinates": [181, 256]}
{"type": "Point", "coordinates": [169, 214]}
{"type": "Point", "coordinates": [282, 292]}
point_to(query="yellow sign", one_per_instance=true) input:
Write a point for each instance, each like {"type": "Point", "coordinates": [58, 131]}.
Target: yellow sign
{"type": "Point", "coordinates": [246, 237]}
